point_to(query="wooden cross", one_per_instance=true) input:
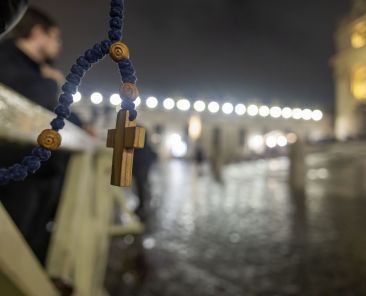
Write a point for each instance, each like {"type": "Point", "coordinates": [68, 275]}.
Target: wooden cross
{"type": "Point", "coordinates": [124, 139]}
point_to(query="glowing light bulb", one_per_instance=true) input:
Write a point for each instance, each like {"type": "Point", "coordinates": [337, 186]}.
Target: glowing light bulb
{"type": "Point", "coordinates": [227, 108]}
{"type": "Point", "coordinates": [264, 111]}
{"type": "Point", "coordinates": [271, 142]}
{"type": "Point", "coordinates": [286, 112]}
{"type": "Point", "coordinates": [77, 97]}
{"type": "Point", "coordinates": [275, 112]}
{"type": "Point", "coordinates": [199, 106]}
{"type": "Point", "coordinates": [169, 104]}
{"type": "Point", "coordinates": [307, 114]}
{"type": "Point", "coordinates": [240, 109]}
{"type": "Point", "coordinates": [317, 115]}
{"type": "Point", "coordinates": [213, 107]}
{"type": "Point", "coordinates": [253, 110]}
{"type": "Point", "coordinates": [152, 102]}
{"type": "Point", "coordinates": [183, 105]}
{"type": "Point", "coordinates": [282, 141]}
{"type": "Point", "coordinates": [296, 113]}
{"type": "Point", "coordinates": [96, 98]}
{"type": "Point", "coordinates": [115, 99]}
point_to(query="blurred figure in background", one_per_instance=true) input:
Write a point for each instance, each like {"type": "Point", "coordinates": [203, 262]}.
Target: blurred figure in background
{"type": "Point", "coordinates": [142, 162]}
{"type": "Point", "coordinates": [25, 60]}
{"type": "Point", "coordinates": [199, 157]}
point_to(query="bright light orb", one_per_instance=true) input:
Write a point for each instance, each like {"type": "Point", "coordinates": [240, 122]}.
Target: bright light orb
{"type": "Point", "coordinates": [213, 107]}
{"type": "Point", "coordinates": [264, 111]}
{"type": "Point", "coordinates": [286, 112]}
{"type": "Point", "coordinates": [169, 104]}
{"type": "Point", "coordinates": [240, 109]}
{"type": "Point", "coordinates": [317, 115]}
{"type": "Point", "coordinates": [228, 108]}
{"type": "Point", "coordinates": [96, 98]}
{"type": "Point", "coordinates": [177, 146]}
{"type": "Point", "coordinates": [253, 110]}
{"type": "Point", "coordinates": [291, 138]}
{"type": "Point", "coordinates": [271, 142]}
{"type": "Point", "coordinates": [307, 114]}
{"type": "Point", "coordinates": [275, 112]}
{"type": "Point", "coordinates": [115, 99]}
{"type": "Point", "coordinates": [152, 102]}
{"type": "Point", "coordinates": [282, 141]}
{"type": "Point", "coordinates": [256, 143]}
{"type": "Point", "coordinates": [183, 105]}
{"type": "Point", "coordinates": [77, 97]}
{"type": "Point", "coordinates": [296, 113]}
{"type": "Point", "coordinates": [199, 106]}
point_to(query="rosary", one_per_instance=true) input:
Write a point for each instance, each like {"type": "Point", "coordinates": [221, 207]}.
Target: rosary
{"type": "Point", "coordinates": [123, 139]}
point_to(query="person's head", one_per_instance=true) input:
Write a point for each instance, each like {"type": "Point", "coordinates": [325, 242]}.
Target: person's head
{"type": "Point", "coordinates": [41, 32]}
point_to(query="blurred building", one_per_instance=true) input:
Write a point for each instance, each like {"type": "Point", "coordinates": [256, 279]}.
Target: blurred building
{"type": "Point", "coordinates": [350, 73]}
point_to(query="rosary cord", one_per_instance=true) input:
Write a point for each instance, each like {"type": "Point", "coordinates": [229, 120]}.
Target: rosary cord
{"type": "Point", "coordinates": [126, 68]}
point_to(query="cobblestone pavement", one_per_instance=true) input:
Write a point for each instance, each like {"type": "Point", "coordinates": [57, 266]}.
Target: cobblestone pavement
{"type": "Point", "coordinates": [248, 235]}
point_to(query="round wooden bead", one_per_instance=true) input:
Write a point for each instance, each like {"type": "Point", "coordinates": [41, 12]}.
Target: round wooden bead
{"type": "Point", "coordinates": [119, 51]}
{"type": "Point", "coordinates": [49, 139]}
{"type": "Point", "coordinates": [129, 91]}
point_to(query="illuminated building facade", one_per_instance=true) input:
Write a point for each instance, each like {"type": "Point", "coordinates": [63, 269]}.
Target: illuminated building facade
{"type": "Point", "coordinates": [350, 74]}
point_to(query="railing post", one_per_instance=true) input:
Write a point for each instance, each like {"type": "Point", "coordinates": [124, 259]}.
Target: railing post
{"type": "Point", "coordinates": [297, 170]}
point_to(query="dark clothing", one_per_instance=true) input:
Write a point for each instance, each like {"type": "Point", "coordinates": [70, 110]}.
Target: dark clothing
{"type": "Point", "coordinates": [23, 75]}
{"type": "Point", "coordinates": [142, 162]}
{"type": "Point", "coordinates": [32, 203]}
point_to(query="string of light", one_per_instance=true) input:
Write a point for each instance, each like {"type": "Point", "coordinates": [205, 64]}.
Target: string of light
{"type": "Point", "coordinates": [184, 105]}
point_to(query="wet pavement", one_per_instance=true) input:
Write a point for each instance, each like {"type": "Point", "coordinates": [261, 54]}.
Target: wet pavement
{"type": "Point", "coordinates": [248, 235]}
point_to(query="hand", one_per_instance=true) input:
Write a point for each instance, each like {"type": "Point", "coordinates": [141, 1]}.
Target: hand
{"type": "Point", "coordinates": [52, 73]}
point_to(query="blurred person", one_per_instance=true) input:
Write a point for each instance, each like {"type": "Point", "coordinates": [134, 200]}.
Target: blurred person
{"type": "Point", "coordinates": [26, 56]}
{"type": "Point", "coordinates": [25, 60]}
{"type": "Point", "coordinates": [142, 162]}
{"type": "Point", "coordinates": [199, 157]}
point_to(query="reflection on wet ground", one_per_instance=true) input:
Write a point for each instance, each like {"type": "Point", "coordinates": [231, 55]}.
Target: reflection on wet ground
{"type": "Point", "coordinates": [247, 236]}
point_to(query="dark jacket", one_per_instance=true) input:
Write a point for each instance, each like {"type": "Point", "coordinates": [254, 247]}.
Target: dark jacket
{"type": "Point", "coordinates": [22, 74]}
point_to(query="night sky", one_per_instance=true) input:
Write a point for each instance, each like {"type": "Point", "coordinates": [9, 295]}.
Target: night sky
{"type": "Point", "coordinates": [268, 51]}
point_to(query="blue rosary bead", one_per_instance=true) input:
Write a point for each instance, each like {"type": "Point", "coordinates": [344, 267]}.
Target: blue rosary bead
{"type": "Point", "coordinates": [42, 153]}
{"type": "Point", "coordinates": [17, 172]}
{"type": "Point", "coordinates": [128, 105]}
{"type": "Point", "coordinates": [115, 23]}
{"type": "Point", "coordinates": [90, 56]}
{"type": "Point", "coordinates": [77, 70]}
{"type": "Point", "coordinates": [70, 88]}
{"type": "Point", "coordinates": [73, 78]}
{"type": "Point", "coordinates": [116, 12]}
{"type": "Point", "coordinates": [133, 115]}
{"type": "Point", "coordinates": [66, 99]}
{"type": "Point", "coordinates": [98, 51]}
{"type": "Point", "coordinates": [105, 45]}
{"type": "Point", "coordinates": [118, 3]}
{"type": "Point", "coordinates": [127, 71]}
{"type": "Point", "coordinates": [63, 111]}
{"type": "Point", "coordinates": [58, 123]}
{"type": "Point", "coordinates": [32, 163]}
{"type": "Point", "coordinates": [114, 35]}
{"type": "Point", "coordinates": [82, 62]}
